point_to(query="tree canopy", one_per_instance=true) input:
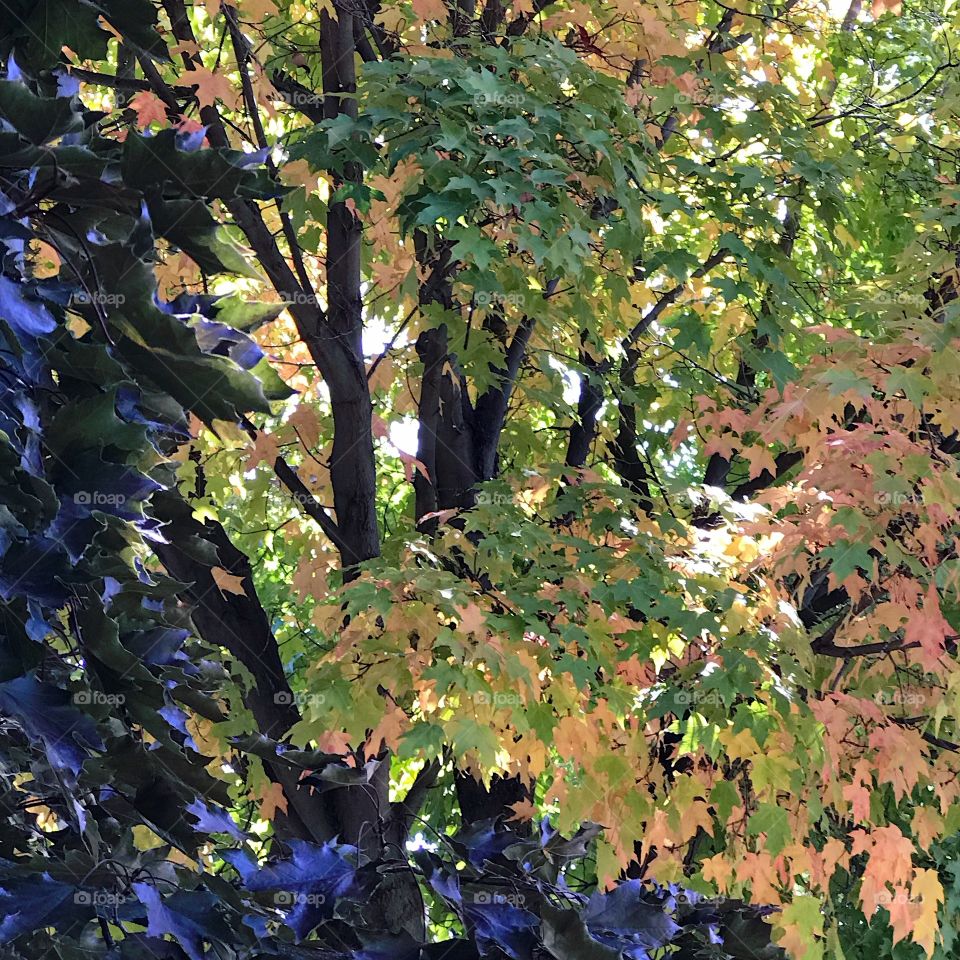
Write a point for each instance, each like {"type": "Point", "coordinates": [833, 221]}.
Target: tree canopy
{"type": "Point", "coordinates": [479, 480]}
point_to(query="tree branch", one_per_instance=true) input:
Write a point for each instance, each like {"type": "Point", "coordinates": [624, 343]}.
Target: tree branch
{"type": "Point", "coordinates": [305, 499]}
{"type": "Point", "coordinates": [670, 297]}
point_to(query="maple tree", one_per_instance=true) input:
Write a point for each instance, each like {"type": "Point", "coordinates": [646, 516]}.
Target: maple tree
{"type": "Point", "coordinates": [479, 481]}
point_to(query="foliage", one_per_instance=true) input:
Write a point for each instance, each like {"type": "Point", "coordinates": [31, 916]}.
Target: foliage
{"type": "Point", "coordinates": [420, 419]}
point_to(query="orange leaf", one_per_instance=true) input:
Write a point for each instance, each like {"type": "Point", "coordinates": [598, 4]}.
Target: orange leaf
{"type": "Point", "coordinates": [271, 800]}
{"type": "Point", "coordinates": [472, 619]}
{"type": "Point", "coordinates": [307, 425]}
{"type": "Point", "coordinates": [523, 810]}
{"type": "Point", "coordinates": [929, 629]}
{"type": "Point", "coordinates": [228, 582]}
{"type": "Point", "coordinates": [387, 733]}
{"type": "Point", "coordinates": [258, 9]}
{"type": "Point", "coordinates": [430, 9]}
{"type": "Point", "coordinates": [150, 109]}
{"type": "Point", "coordinates": [264, 449]}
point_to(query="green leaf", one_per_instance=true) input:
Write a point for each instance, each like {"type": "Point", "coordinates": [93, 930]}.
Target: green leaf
{"type": "Point", "coordinates": [38, 119]}
{"type": "Point", "coordinates": [773, 821]}
{"type": "Point", "coordinates": [55, 24]}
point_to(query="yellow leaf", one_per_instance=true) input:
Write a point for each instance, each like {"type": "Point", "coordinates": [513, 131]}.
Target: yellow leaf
{"type": "Point", "coordinates": [297, 173]}
{"type": "Point", "coordinates": [926, 888]}
{"type": "Point", "coordinates": [718, 870]}
{"type": "Point", "coordinates": [178, 856]}
{"type": "Point", "coordinates": [145, 839]}
{"type": "Point", "coordinates": [845, 236]}
{"type": "Point", "coordinates": [740, 746]}
{"type": "Point", "coordinates": [212, 87]}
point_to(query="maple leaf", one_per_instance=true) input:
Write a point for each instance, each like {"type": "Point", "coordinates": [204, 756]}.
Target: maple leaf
{"type": "Point", "coordinates": [900, 757]}
{"type": "Point", "coordinates": [761, 459]}
{"type": "Point", "coordinates": [801, 923]}
{"type": "Point", "coordinates": [929, 629]}
{"type": "Point", "coordinates": [739, 746]}
{"type": "Point", "coordinates": [264, 450]}
{"type": "Point", "coordinates": [889, 862]}
{"type": "Point", "coordinates": [299, 173]}
{"type": "Point", "coordinates": [307, 425]}
{"type": "Point", "coordinates": [718, 870]}
{"type": "Point", "coordinates": [771, 821]}
{"type": "Point", "coordinates": [523, 810]}
{"type": "Point", "coordinates": [411, 463]}
{"type": "Point", "coordinates": [760, 869]}
{"type": "Point", "coordinates": [858, 796]}
{"type": "Point", "coordinates": [258, 10]}
{"type": "Point", "coordinates": [902, 911]}
{"type": "Point", "coordinates": [228, 582]}
{"type": "Point", "coordinates": [271, 799]}
{"type": "Point", "coordinates": [387, 732]}
{"type": "Point", "coordinates": [927, 826]}
{"type": "Point", "coordinates": [926, 888]}
{"type": "Point", "coordinates": [430, 9]}
{"type": "Point", "coordinates": [471, 619]}
{"type": "Point", "coordinates": [149, 107]}
{"type": "Point", "coordinates": [310, 579]}
{"type": "Point", "coordinates": [211, 87]}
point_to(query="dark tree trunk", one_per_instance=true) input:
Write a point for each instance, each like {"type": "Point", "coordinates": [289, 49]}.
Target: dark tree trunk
{"type": "Point", "coordinates": [352, 466]}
